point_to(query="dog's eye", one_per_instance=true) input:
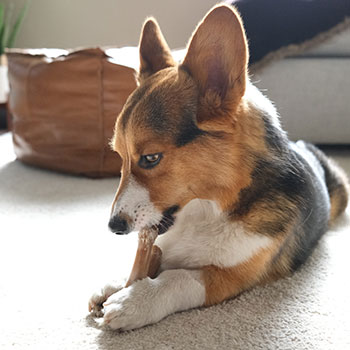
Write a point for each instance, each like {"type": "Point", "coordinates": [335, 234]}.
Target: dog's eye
{"type": "Point", "coordinates": [152, 158]}
{"type": "Point", "coordinates": [149, 161]}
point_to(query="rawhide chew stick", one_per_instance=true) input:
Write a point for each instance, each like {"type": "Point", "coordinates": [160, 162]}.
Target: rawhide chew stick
{"type": "Point", "coordinates": [155, 261]}
{"type": "Point", "coordinates": [147, 259]}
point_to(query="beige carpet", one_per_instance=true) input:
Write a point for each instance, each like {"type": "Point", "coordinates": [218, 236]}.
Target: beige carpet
{"type": "Point", "coordinates": [56, 249]}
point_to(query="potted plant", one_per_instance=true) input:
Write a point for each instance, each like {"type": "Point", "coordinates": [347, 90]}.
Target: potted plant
{"type": "Point", "coordinates": [9, 26]}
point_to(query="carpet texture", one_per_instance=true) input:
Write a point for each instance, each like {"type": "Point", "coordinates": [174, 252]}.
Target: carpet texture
{"type": "Point", "coordinates": [56, 250]}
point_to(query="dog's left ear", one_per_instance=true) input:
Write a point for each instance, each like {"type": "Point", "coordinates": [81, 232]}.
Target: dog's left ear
{"type": "Point", "coordinates": [217, 59]}
{"type": "Point", "coordinates": [154, 51]}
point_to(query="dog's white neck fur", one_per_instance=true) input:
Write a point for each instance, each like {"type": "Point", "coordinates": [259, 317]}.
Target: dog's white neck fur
{"type": "Point", "coordinates": [203, 235]}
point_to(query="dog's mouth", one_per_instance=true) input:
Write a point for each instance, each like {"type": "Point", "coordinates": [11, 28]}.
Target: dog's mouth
{"type": "Point", "coordinates": [167, 220]}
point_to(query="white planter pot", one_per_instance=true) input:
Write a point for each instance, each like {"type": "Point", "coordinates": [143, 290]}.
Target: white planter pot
{"type": "Point", "coordinates": [4, 84]}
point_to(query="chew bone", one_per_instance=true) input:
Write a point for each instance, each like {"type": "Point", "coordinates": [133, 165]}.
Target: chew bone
{"type": "Point", "coordinates": [147, 257]}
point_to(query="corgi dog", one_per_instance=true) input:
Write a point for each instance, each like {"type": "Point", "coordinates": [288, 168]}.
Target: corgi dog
{"type": "Point", "coordinates": [205, 160]}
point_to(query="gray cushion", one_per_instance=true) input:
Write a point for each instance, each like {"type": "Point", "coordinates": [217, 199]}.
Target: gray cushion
{"type": "Point", "coordinates": [338, 46]}
{"type": "Point", "coordinates": [312, 97]}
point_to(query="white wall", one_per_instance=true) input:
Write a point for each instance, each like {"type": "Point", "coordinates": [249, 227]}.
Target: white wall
{"type": "Point", "coordinates": [72, 23]}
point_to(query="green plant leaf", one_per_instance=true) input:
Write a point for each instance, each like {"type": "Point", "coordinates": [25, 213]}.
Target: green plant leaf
{"type": "Point", "coordinates": [7, 21]}
{"type": "Point", "coordinates": [11, 40]}
{"type": "Point", "coordinates": [2, 25]}
{"type": "Point", "coordinates": [2, 10]}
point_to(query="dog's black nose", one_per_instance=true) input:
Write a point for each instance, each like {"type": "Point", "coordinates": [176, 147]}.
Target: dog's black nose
{"type": "Point", "coordinates": [118, 225]}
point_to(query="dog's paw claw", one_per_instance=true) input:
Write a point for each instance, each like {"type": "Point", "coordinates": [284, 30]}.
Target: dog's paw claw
{"type": "Point", "coordinates": [96, 304]}
{"type": "Point", "coordinates": [97, 299]}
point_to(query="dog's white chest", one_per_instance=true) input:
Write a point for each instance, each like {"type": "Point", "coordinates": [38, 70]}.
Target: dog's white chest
{"type": "Point", "coordinates": [202, 235]}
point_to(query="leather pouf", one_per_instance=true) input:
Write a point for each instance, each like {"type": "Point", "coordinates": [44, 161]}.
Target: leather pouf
{"type": "Point", "coordinates": [64, 106]}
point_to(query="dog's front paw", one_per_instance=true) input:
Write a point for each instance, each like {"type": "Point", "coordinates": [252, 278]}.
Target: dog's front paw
{"type": "Point", "coordinates": [131, 307]}
{"type": "Point", "coordinates": [148, 301]}
{"type": "Point", "coordinates": [97, 299]}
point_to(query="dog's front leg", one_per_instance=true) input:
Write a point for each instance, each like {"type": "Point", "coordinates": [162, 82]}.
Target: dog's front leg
{"type": "Point", "coordinates": [148, 301]}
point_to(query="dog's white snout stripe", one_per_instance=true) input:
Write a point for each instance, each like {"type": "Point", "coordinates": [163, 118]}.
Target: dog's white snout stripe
{"type": "Point", "coordinates": [134, 202]}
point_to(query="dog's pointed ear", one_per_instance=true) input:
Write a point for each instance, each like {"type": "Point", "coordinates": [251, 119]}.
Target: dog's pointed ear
{"type": "Point", "coordinates": [154, 51]}
{"type": "Point", "coordinates": [217, 59]}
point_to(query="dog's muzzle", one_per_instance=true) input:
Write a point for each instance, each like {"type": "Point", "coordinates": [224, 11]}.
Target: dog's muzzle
{"type": "Point", "coordinates": [120, 225]}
